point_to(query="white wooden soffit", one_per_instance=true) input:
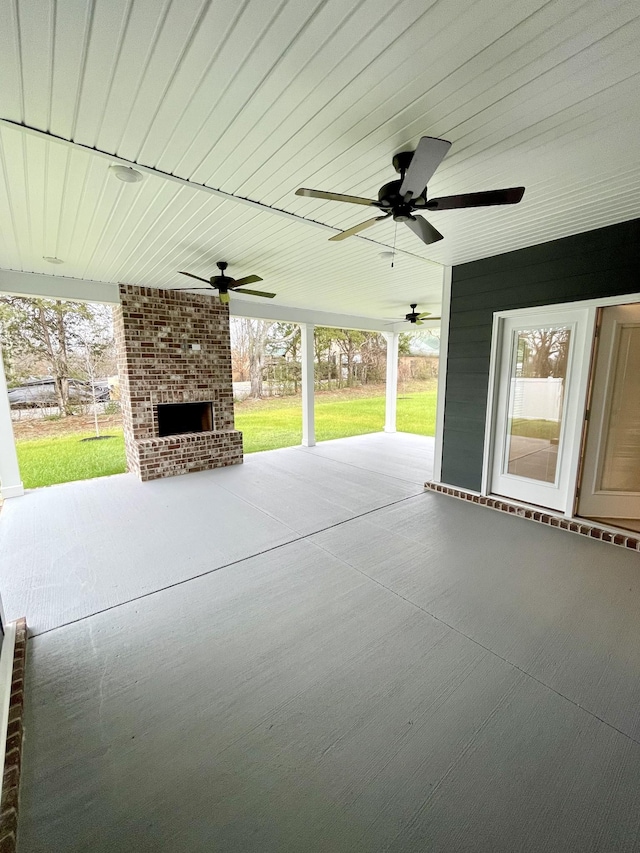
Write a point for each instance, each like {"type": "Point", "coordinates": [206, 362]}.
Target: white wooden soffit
{"type": "Point", "coordinates": [84, 290]}
{"type": "Point", "coordinates": [149, 170]}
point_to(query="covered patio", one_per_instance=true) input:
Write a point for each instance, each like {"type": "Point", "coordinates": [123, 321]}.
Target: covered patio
{"type": "Point", "coordinates": [321, 656]}
{"type": "Point", "coordinates": [310, 652]}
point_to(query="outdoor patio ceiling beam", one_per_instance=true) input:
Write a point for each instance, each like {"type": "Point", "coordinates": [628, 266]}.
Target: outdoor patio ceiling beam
{"type": "Point", "coordinates": [42, 286]}
{"type": "Point", "coordinates": [308, 381]}
{"type": "Point", "coordinates": [391, 397]}
{"type": "Point", "coordinates": [264, 310]}
{"type": "Point", "coordinates": [10, 482]}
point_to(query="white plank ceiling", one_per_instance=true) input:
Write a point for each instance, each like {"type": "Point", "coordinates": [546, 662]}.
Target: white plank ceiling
{"type": "Point", "coordinates": [259, 97]}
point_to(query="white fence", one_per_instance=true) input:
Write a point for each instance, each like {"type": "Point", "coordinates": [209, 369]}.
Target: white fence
{"type": "Point", "coordinates": [537, 398]}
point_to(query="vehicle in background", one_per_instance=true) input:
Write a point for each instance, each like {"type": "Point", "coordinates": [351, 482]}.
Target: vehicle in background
{"type": "Point", "coordinates": [42, 392]}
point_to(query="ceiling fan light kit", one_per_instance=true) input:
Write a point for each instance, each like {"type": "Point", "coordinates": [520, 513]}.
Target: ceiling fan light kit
{"type": "Point", "coordinates": [399, 199]}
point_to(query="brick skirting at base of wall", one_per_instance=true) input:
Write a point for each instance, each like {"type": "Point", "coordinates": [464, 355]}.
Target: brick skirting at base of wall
{"type": "Point", "coordinates": [13, 752]}
{"type": "Point", "coordinates": [590, 529]}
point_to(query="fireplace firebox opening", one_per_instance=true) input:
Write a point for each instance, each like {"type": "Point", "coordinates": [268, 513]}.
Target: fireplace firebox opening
{"type": "Point", "coordinates": [178, 418]}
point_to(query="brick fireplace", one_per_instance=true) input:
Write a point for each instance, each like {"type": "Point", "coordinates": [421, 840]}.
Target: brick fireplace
{"type": "Point", "coordinates": [174, 362]}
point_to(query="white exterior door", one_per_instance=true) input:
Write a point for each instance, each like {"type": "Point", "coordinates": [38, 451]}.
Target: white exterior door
{"type": "Point", "coordinates": [537, 406]}
{"type": "Point", "coordinates": [610, 486]}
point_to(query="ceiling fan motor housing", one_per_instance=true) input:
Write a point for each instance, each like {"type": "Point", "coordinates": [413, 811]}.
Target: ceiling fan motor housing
{"type": "Point", "coordinates": [389, 198]}
{"type": "Point", "coordinates": [412, 316]}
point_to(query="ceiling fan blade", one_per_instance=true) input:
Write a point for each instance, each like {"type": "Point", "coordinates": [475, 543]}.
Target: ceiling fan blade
{"type": "Point", "coordinates": [424, 230]}
{"type": "Point", "coordinates": [255, 293]}
{"type": "Point", "coordinates": [417, 323]}
{"type": "Point", "coordinates": [248, 279]}
{"type": "Point", "coordinates": [357, 228]}
{"type": "Point", "coordinates": [352, 199]}
{"type": "Point", "coordinates": [452, 202]}
{"type": "Point", "coordinates": [191, 275]}
{"type": "Point", "coordinates": [426, 159]}
{"type": "Point", "coordinates": [424, 314]}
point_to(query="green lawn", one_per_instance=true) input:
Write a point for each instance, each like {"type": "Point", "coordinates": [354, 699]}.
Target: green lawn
{"type": "Point", "coordinates": [61, 459]}
{"type": "Point", "coordinates": [265, 424]}
{"type": "Point", "coordinates": [535, 428]}
{"type": "Point", "coordinates": [269, 424]}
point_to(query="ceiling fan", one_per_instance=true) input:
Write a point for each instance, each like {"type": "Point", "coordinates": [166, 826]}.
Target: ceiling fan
{"type": "Point", "coordinates": [224, 283]}
{"type": "Point", "coordinates": [417, 319]}
{"type": "Point", "coordinates": [399, 199]}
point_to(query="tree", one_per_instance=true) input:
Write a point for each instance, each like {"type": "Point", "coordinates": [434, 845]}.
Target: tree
{"type": "Point", "coordinates": [365, 348]}
{"type": "Point", "coordinates": [404, 343]}
{"type": "Point", "coordinates": [257, 334]}
{"type": "Point", "coordinates": [284, 339]}
{"type": "Point", "coordinates": [239, 351]}
{"type": "Point", "coordinates": [543, 352]}
{"type": "Point", "coordinates": [44, 334]}
{"type": "Point", "coordinates": [257, 338]}
{"type": "Point", "coordinates": [323, 341]}
{"type": "Point", "coordinates": [349, 342]}
{"type": "Point", "coordinates": [373, 356]}
{"type": "Point", "coordinates": [96, 345]}
{"type": "Point", "coordinates": [283, 344]}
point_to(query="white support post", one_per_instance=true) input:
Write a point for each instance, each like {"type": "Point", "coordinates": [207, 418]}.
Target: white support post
{"type": "Point", "coordinates": [442, 373]}
{"type": "Point", "coordinates": [10, 482]}
{"type": "Point", "coordinates": [308, 381]}
{"type": "Point", "coordinates": [391, 400]}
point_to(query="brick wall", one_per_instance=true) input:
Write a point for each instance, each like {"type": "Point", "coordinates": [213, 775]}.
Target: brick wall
{"type": "Point", "coordinates": [154, 329]}
{"type": "Point", "coordinates": [13, 751]}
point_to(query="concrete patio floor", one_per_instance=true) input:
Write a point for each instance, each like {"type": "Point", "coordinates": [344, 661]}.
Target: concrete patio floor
{"type": "Point", "coordinates": [72, 550]}
{"type": "Point", "coordinates": [309, 653]}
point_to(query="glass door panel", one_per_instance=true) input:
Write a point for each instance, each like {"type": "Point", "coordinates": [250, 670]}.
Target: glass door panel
{"type": "Point", "coordinates": [535, 403]}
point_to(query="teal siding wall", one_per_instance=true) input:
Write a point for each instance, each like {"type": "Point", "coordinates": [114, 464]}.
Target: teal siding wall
{"type": "Point", "coordinates": [592, 265]}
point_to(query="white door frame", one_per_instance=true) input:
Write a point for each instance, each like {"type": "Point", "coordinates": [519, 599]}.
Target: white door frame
{"type": "Point", "coordinates": [574, 431]}
{"type": "Point", "coordinates": [594, 500]}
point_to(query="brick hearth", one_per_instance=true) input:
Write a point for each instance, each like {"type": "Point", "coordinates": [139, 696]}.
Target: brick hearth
{"type": "Point", "coordinates": [158, 333]}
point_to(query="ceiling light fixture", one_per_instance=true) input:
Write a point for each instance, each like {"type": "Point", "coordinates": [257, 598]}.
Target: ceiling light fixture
{"type": "Point", "coordinates": [126, 174]}
{"type": "Point", "coordinates": [51, 260]}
